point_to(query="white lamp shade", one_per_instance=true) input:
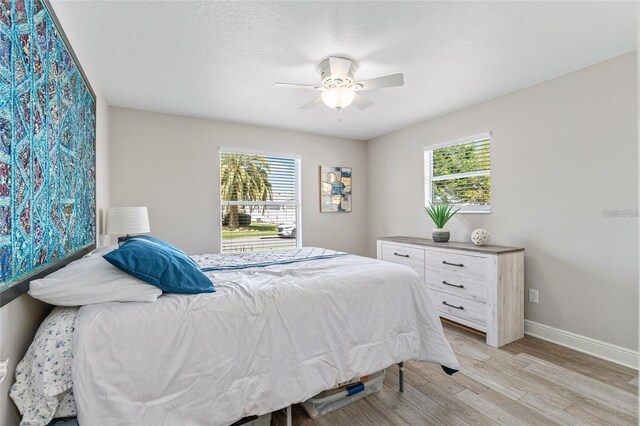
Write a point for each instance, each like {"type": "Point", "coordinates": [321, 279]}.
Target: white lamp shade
{"type": "Point", "coordinates": [127, 220]}
{"type": "Point", "coordinates": [338, 97]}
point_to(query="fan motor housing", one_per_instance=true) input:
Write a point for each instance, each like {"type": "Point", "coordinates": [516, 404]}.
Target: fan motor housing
{"type": "Point", "coordinates": [330, 81]}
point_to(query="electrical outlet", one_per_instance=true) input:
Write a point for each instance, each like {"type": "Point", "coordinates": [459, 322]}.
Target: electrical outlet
{"type": "Point", "coordinates": [533, 296]}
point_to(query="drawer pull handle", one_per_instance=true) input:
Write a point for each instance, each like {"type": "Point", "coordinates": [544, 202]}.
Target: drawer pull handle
{"type": "Point", "coordinates": [444, 262]}
{"type": "Point", "coordinates": [452, 306]}
{"type": "Point", "coordinates": [401, 255]}
{"type": "Point", "coordinates": [453, 285]}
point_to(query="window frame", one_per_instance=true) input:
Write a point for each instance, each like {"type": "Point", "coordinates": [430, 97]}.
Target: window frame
{"type": "Point", "coordinates": [428, 171]}
{"type": "Point", "coordinates": [298, 186]}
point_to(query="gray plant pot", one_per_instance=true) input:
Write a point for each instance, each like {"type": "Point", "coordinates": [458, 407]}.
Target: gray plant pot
{"type": "Point", "coordinates": [440, 235]}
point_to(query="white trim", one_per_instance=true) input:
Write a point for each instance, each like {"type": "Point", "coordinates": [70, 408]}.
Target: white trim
{"type": "Point", "coordinates": [428, 172]}
{"type": "Point", "coordinates": [474, 208]}
{"type": "Point", "coordinates": [259, 203]}
{"type": "Point", "coordinates": [219, 195]}
{"type": "Point", "coordinates": [587, 345]}
{"type": "Point", "coordinates": [299, 201]}
{"type": "Point", "coordinates": [466, 139]}
{"type": "Point", "coordinates": [257, 152]}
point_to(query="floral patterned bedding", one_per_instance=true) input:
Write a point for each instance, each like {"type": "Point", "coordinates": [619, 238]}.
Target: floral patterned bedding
{"type": "Point", "coordinates": [43, 384]}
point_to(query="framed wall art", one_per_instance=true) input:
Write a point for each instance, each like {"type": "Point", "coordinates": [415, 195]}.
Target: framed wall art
{"type": "Point", "coordinates": [335, 189]}
{"type": "Point", "coordinates": [47, 148]}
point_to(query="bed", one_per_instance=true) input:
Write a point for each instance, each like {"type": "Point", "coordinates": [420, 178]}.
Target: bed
{"type": "Point", "coordinates": [280, 328]}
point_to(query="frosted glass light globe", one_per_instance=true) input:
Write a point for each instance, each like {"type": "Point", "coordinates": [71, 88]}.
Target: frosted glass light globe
{"type": "Point", "coordinates": [338, 97]}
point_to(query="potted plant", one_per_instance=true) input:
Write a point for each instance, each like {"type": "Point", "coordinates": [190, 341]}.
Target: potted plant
{"type": "Point", "coordinates": [440, 213]}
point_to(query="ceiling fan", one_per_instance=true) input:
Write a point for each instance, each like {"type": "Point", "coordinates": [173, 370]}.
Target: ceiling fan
{"type": "Point", "coordinates": [338, 86]}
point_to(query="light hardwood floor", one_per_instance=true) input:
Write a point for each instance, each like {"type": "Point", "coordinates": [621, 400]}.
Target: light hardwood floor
{"type": "Point", "coordinates": [528, 382]}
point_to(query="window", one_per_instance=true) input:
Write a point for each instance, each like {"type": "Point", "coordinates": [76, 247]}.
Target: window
{"type": "Point", "coordinates": [259, 200]}
{"type": "Point", "coordinates": [459, 172]}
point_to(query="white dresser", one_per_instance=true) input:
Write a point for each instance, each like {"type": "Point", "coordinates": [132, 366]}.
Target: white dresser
{"type": "Point", "coordinates": [481, 287]}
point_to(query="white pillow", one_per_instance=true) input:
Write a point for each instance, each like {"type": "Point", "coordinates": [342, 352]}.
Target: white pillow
{"type": "Point", "coordinates": [89, 280]}
{"type": "Point", "coordinates": [101, 251]}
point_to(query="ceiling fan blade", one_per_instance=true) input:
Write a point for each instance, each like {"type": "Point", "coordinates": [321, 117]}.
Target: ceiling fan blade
{"type": "Point", "coordinates": [297, 86]}
{"type": "Point", "coordinates": [361, 103]}
{"type": "Point", "coordinates": [380, 82]}
{"type": "Point", "coordinates": [312, 104]}
{"type": "Point", "coordinates": [339, 67]}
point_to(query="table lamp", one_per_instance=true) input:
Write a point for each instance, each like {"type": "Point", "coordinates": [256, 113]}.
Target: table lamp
{"type": "Point", "coordinates": [127, 221]}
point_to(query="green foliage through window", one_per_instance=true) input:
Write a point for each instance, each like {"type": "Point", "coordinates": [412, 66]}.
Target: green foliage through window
{"type": "Point", "coordinates": [460, 174]}
{"type": "Point", "coordinates": [464, 191]}
{"type": "Point", "coordinates": [463, 158]}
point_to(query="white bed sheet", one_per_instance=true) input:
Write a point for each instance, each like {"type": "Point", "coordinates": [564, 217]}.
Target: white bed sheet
{"type": "Point", "coordinates": [267, 338]}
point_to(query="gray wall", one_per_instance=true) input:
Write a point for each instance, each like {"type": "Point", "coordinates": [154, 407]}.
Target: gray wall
{"type": "Point", "coordinates": [562, 152]}
{"type": "Point", "coordinates": [170, 164]}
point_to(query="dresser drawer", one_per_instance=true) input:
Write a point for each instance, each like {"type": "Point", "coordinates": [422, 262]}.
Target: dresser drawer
{"type": "Point", "coordinates": [458, 307]}
{"type": "Point", "coordinates": [458, 284]}
{"type": "Point", "coordinates": [465, 265]}
{"type": "Point", "coordinates": [405, 255]}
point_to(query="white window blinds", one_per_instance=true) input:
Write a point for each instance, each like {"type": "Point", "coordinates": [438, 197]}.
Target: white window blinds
{"type": "Point", "coordinates": [259, 200]}
{"type": "Point", "coordinates": [459, 173]}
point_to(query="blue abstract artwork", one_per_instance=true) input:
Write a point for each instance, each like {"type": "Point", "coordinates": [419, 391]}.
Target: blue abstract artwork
{"type": "Point", "coordinates": [335, 189]}
{"type": "Point", "coordinates": [47, 145]}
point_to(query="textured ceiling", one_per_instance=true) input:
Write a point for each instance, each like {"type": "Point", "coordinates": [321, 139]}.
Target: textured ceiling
{"type": "Point", "coordinates": [220, 59]}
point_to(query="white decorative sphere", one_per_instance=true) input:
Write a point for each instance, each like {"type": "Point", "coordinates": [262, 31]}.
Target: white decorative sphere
{"type": "Point", "coordinates": [480, 237]}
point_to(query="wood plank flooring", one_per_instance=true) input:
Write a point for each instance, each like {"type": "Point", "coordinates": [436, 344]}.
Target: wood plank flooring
{"type": "Point", "coordinates": [528, 382]}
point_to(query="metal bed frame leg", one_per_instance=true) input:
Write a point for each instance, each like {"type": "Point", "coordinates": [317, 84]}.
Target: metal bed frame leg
{"type": "Point", "coordinates": [289, 416]}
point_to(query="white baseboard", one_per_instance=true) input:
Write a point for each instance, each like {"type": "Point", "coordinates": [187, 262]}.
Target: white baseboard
{"type": "Point", "coordinates": [597, 348]}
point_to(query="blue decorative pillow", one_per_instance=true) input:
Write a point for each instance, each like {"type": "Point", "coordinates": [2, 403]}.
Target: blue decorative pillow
{"type": "Point", "coordinates": [160, 264]}
{"type": "Point", "coordinates": [157, 241]}
{"type": "Point", "coordinates": [166, 245]}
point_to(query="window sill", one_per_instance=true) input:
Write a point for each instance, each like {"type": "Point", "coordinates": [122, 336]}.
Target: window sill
{"type": "Point", "coordinates": [473, 212]}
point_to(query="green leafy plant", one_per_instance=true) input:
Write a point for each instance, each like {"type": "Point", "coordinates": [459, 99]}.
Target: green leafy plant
{"type": "Point", "coordinates": [440, 213]}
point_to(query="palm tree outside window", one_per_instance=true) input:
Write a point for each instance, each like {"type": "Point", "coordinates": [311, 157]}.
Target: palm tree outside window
{"type": "Point", "coordinates": [259, 201]}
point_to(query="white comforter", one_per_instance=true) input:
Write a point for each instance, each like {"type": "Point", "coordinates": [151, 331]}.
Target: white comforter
{"type": "Point", "coordinates": [267, 338]}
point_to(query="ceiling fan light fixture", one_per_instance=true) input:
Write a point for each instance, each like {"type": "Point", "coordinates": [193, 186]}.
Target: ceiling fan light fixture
{"type": "Point", "coordinates": [338, 97]}
{"type": "Point", "coordinates": [339, 88]}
